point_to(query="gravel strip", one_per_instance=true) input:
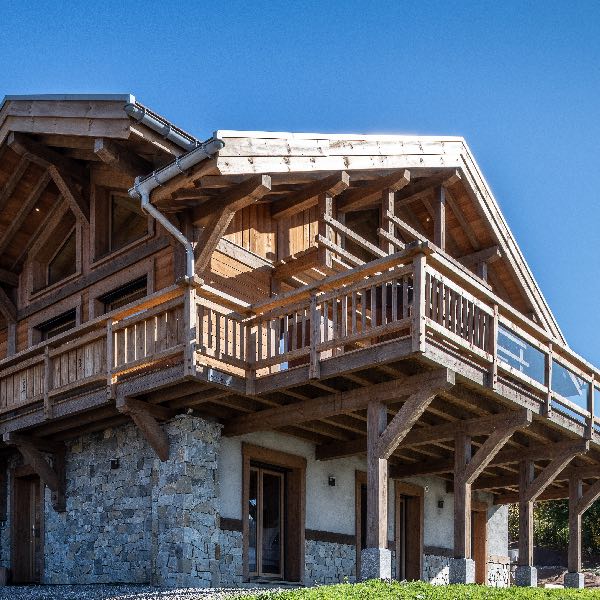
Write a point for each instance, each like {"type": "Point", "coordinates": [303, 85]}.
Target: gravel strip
{"type": "Point", "coordinates": [122, 592]}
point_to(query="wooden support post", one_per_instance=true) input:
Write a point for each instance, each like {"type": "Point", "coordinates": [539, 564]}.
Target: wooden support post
{"type": "Point", "coordinates": [575, 494]}
{"type": "Point", "coordinates": [110, 358]}
{"type": "Point", "coordinates": [439, 236]}
{"type": "Point", "coordinates": [48, 377]}
{"type": "Point", "coordinates": [11, 343]}
{"type": "Point", "coordinates": [419, 299]}
{"type": "Point", "coordinates": [377, 478]}
{"type": "Point", "coordinates": [144, 415]}
{"type": "Point", "coordinates": [589, 433]}
{"type": "Point", "coordinates": [250, 359]}
{"type": "Point", "coordinates": [526, 476]}
{"type": "Point", "coordinates": [462, 497]}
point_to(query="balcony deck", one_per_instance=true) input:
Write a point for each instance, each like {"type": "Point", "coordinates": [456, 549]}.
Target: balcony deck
{"type": "Point", "coordinates": [404, 313]}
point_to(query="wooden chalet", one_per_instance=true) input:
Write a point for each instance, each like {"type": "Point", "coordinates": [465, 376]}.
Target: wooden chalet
{"type": "Point", "coordinates": [358, 297]}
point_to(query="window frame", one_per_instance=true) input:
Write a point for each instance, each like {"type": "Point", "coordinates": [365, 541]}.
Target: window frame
{"type": "Point", "coordinates": [100, 215]}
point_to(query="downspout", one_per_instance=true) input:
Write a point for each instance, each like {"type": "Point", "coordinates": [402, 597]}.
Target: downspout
{"type": "Point", "coordinates": [144, 187]}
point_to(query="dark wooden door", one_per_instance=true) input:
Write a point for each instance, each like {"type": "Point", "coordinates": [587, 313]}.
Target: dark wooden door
{"type": "Point", "coordinates": [26, 530]}
{"type": "Point", "coordinates": [479, 544]}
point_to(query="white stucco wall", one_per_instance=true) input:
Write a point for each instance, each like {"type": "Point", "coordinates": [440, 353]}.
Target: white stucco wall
{"type": "Point", "coordinates": [332, 508]}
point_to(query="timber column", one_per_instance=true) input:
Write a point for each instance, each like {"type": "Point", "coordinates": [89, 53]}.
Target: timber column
{"type": "Point", "coordinates": [526, 573]}
{"type": "Point", "coordinates": [376, 559]}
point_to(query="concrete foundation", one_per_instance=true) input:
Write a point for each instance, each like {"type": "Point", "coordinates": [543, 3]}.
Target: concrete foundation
{"type": "Point", "coordinates": [462, 570]}
{"type": "Point", "coordinates": [375, 563]}
{"type": "Point", "coordinates": [526, 576]}
{"type": "Point", "coordinates": [575, 580]}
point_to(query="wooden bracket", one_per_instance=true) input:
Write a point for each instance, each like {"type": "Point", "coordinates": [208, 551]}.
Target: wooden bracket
{"type": "Point", "coordinates": [219, 213]}
{"type": "Point", "coordinates": [7, 307]}
{"type": "Point", "coordinates": [409, 414]}
{"type": "Point", "coordinates": [117, 157]}
{"type": "Point", "coordinates": [537, 485]}
{"type": "Point", "coordinates": [79, 205]}
{"type": "Point", "coordinates": [145, 416]}
{"type": "Point", "coordinates": [53, 475]}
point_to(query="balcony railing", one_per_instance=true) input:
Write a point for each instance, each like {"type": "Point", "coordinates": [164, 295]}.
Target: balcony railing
{"type": "Point", "coordinates": [418, 297]}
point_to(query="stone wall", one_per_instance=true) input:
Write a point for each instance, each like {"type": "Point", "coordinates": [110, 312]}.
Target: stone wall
{"type": "Point", "coordinates": [231, 568]}
{"type": "Point", "coordinates": [329, 562]}
{"type": "Point", "coordinates": [146, 521]}
{"type": "Point", "coordinates": [436, 569]}
{"type": "Point", "coordinates": [498, 572]}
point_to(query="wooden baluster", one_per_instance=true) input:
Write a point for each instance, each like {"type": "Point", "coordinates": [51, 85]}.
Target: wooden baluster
{"type": "Point", "coordinates": [394, 299]}
{"type": "Point", "coordinates": [373, 307]}
{"type": "Point", "coordinates": [251, 342]}
{"type": "Point", "coordinates": [303, 328]}
{"type": "Point", "coordinates": [363, 310]}
{"type": "Point", "coordinates": [353, 317]}
{"type": "Point", "coordinates": [405, 305]}
{"type": "Point", "coordinates": [383, 319]}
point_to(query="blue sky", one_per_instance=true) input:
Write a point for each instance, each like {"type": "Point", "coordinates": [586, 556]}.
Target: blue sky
{"type": "Point", "coordinates": [520, 80]}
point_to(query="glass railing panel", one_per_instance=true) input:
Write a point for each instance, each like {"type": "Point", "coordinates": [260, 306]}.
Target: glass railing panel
{"type": "Point", "coordinates": [569, 386]}
{"type": "Point", "coordinates": [597, 407]}
{"type": "Point", "coordinates": [520, 355]}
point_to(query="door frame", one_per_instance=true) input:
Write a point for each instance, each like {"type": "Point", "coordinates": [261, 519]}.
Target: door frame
{"type": "Point", "coordinates": [479, 535]}
{"type": "Point", "coordinates": [294, 515]}
{"type": "Point", "coordinates": [415, 537]}
{"type": "Point", "coordinates": [20, 473]}
{"type": "Point", "coordinates": [415, 508]}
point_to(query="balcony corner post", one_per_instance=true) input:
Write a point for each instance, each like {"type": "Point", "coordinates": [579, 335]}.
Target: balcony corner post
{"type": "Point", "coordinates": [314, 370]}
{"type": "Point", "coordinates": [589, 429]}
{"type": "Point", "coordinates": [250, 359]}
{"type": "Point", "coordinates": [190, 313]}
{"type": "Point", "coordinates": [419, 299]}
{"type": "Point", "coordinates": [493, 346]}
{"type": "Point", "coordinates": [47, 384]}
{"type": "Point", "coordinates": [110, 359]}
{"type": "Point", "coordinates": [548, 381]}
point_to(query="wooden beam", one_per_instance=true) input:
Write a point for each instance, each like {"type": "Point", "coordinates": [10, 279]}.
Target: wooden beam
{"type": "Point", "coordinates": [43, 156]}
{"type": "Point", "coordinates": [487, 255]}
{"type": "Point", "coordinates": [220, 213]}
{"type": "Point", "coordinates": [339, 403]}
{"type": "Point", "coordinates": [144, 416]}
{"type": "Point", "coordinates": [13, 181]}
{"type": "Point", "coordinates": [587, 498]}
{"type": "Point", "coordinates": [351, 235]}
{"type": "Point", "coordinates": [408, 415]}
{"type": "Point", "coordinates": [117, 157]}
{"type": "Point", "coordinates": [306, 197]}
{"type": "Point", "coordinates": [421, 187]}
{"type": "Point", "coordinates": [464, 223]}
{"type": "Point", "coordinates": [428, 435]}
{"type": "Point", "coordinates": [540, 452]}
{"type": "Point", "coordinates": [356, 198]}
{"type": "Point", "coordinates": [24, 210]}
{"type": "Point", "coordinates": [7, 307]}
{"type": "Point", "coordinates": [9, 278]}
{"type": "Point", "coordinates": [559, 493]}
{"type": "Point", "coordinates": [79, 205]}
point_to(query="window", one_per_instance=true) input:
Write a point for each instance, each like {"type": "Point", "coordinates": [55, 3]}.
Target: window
{"type": "Point", "coordinates": [130, 292]}
{"type": "Point", "coordinates": [127, 222]}
{"type": "Point", "coordinates": [64, 262]}
{"type": "Point", "coordinates": [58, 325]}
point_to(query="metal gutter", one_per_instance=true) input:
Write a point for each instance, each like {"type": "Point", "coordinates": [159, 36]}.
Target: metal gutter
{"type": "Point", "coordinates": [144, 187]}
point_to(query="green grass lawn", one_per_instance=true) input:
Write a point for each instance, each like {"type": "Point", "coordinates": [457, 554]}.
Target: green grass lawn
{"type": "Point", "coordinates": [378, 590]}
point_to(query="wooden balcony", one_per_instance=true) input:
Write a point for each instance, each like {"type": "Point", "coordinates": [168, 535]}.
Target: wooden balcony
{"type": "Point", "coordinates": [416, 305]}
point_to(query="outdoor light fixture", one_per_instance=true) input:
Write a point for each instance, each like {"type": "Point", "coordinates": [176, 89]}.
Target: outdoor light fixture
{"type": "Point", "coordinates": [440, 503]}
{"type": "Point", "coordinates": [114, 463]}
{"type": "Point", "coordinates": [331, 481]}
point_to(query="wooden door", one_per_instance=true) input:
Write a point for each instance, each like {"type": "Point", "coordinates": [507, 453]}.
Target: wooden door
{"type": "Point", "coordinates": [479, 542]}
{"type": "Point", "coordinates": [408, 527]}
{"type": "Point", "coordinates": [27, 540]}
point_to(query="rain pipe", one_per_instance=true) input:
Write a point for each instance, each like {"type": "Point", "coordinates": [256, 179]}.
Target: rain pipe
{"type": "Point", "coordinates": [144, 187]}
